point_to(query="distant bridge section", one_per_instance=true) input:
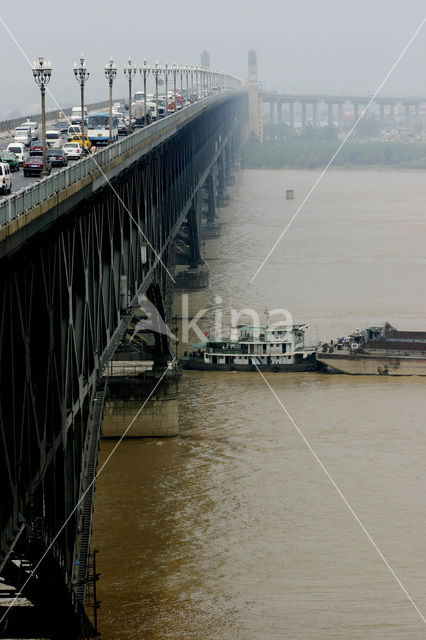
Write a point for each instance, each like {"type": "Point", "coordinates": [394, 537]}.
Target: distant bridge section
{"type": "Point", "coordinates": [308, 105]}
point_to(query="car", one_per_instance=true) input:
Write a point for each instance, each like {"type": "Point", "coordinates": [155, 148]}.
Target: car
{"type": "Point", "coordinates": [73, 150]}
{"type": "Point", "coordinates": [54, 139]}
{"type": "Point", "coordinates": [87, 142]}
{"type": "Point", "coordinates": [36, 149]}
{"type": "Point", "coordinates": [18, 149]}
{"type": "Point", "coordinates": [5, 178]}
{"type": "Point", "coordinates": [61, 126]}
{"type": "Point", "coordinates": [11, 159]}
{"type": "Point", "coordinates": [123, 129]}
{"type": "Point", "coordinates": [73, 130]}
{"type": "Point", "coordinates": [33, 165]}
{"type": "Point", "coordinates": [58, 157]}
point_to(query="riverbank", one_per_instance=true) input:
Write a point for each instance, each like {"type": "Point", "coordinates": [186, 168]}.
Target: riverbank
{"type": "Point", "coordinates": [313, 154]}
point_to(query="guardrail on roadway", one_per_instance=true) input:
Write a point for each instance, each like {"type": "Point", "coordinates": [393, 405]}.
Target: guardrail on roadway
{"type": "Point", "coordinates": [22, 201]}
{"type": "Point", "coordinates": [8, 125]}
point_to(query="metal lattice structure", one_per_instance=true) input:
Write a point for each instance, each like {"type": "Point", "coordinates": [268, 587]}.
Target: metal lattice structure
{"type": "Point", "coordinates": [67, 295]}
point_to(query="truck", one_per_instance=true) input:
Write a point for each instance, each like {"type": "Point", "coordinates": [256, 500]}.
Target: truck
{"type": "Point", "coordinates": [76, 115]}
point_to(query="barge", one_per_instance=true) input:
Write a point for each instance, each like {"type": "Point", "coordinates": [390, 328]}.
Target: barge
{"type": "Point", "coordinates": [378, 350]}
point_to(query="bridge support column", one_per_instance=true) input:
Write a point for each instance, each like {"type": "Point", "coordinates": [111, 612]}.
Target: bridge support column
{"type": "Point", "coordinates": [330, 114]}
{"type": "Point", "coordinates": [279, 112]}
{"type": "Point", "coordinates": [314, 115]}
{"type": "Point", "coordinates": [159, 417]}
{"type": "Point", "coordinates": [222, 195]}
{"type": "Point", "coordinates": [407, 114]}
{"type": "Point", "coordinates": [291, 115]}
{"type": "Point", "coordinates": [356, 111]}
{"type": "Point", "coordinates": [341, 117]}
{"type": "Point", "coordinates": [382, 116]}
{"type": "Point", "coordinates": [303, 115]}
{"type": "Point", "coordinates": [272, 118]}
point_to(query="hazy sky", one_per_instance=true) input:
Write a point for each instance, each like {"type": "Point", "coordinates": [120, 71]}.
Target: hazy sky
{"type": "Point", "coordinates": [304, 45]}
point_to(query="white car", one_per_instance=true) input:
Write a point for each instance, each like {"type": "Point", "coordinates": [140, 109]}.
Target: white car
{"type": "Point", "coordinates": [18, 148]}
{"type": "Point", "coordinates": [54, 139]}
{"type": "Point", "coordinates": [72, 150]}
{"type": "Point", "coordinates": [5, 178]}
{"type": "Point", "coordinates": [73, 130]}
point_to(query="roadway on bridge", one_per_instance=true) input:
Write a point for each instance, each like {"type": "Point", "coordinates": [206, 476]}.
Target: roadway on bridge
{"type": "Point", "coordinates": [19, 181]}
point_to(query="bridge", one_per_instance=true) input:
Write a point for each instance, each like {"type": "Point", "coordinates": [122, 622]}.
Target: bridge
{"type": "Point", "coordinates": [308, 105]}
{"type": "Point", "coordinates": [78, 249]}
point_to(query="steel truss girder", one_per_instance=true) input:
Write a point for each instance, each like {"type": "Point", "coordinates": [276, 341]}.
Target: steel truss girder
{"type": "Point", "coordinates": [61, 319]}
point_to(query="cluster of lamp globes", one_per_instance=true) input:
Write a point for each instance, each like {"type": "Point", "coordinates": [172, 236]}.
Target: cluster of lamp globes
{"type": "Point", "coordinates": [42, 70]}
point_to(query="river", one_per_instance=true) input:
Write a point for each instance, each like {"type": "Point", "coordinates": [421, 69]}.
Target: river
{"type": "Point", "coordinates": [233, 530]}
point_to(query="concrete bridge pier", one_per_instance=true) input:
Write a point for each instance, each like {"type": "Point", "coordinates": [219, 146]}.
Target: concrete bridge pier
{"type": "Point", "coordinates": [330, 113]}
{"type": "Point", "coordinates": [291, 115]}
{"type": "Point", "coordinates": [279, 112]}
{"type": "Point", "coordinates": [382, 116]}
{"type": "Point", "coordinates": [222, 199]}
{"type": "Point", "coordinates": [272, 114]}
{"type": "Point", "coordinates": [211, 228]}
{"type": "Point", "coordinates": [159, 416]}
{"type": "Point", "coordinates": [407, 114]}
{"type": "Point", "coordinates": [314, 115]}
{"type": "Point", "coordinates": [303, 115]}
{"type": "Point", "coordinates": [341, 117]}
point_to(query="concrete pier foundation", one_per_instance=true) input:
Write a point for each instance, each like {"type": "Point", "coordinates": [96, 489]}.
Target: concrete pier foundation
{"type": "Point", "coordinates": [157, 419]}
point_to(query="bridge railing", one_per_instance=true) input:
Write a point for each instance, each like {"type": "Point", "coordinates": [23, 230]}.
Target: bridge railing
{"type": "Point", "coordinates": [29, 197]}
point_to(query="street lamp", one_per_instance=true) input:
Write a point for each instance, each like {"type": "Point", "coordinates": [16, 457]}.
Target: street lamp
{"type": "Point", "coordinates": [145, 71]}
{"type": "Point", "coordinates": [197, 71]}
{"type": "Point", "coordinates": [174, 85]}
{"type": "Point", "coordinates": [181, 87]}
{"type": "Point", "coordinates": [191, 69]}
{"type": "Point", "coordinates": [110, 75]}
{"type": "Point", "coordinates": [130, 71]}
{"type": "Point", "coordinates": [82, 76]}
{"type": "Point", "coordinates": [42, 70]}
{"type": "Point", "coordinates": [167, 72]}
{"type": "Point", "coordinates": [187, 81]}
{"type": "Point", "coordinates": [156, 71]}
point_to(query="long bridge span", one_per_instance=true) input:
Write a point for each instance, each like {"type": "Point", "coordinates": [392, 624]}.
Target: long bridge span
{"type": "Point", "coordinates": [77, 250]}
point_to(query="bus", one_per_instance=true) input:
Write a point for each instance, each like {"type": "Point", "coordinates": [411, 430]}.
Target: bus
{"type": "Point", "coordinates": [98, 127]}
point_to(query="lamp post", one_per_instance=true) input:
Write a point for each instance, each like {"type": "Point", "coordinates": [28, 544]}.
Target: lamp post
{"type": "Point", "coordinates": [129, 71]}
{"type": "Point", "coordinates": [187, 81]}
{"type": "Point", "coordinates": [166, 76]}
{"type": "Point", "coordinates": [42, 70]}
{"type": "Point", "coordinates": [82, 76]}
{"type": "Point", "coordinates": [197, 71]}
{"type": "Point", "coordinates": [144, 70]}
{"type": "Point", "coordinates": [174, 86]}
{"type": "Point", "coordinates": [181, 86]}
{"type": "Point", "coordinates": [110, 75]}
{"type": "Point", "coordinates": [191, 70]}
{"type": "Point", "coordinates": [156, 71]}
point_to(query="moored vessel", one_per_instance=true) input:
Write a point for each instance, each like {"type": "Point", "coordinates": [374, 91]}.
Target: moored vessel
{"type": "Point", "coordinates": [268, 348]}
{"type": "Point", "coordinates": [377, 350]}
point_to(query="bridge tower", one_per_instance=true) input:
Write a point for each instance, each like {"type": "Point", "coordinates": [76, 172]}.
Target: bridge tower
{"type": "Point", "coordinates": [254, 99]}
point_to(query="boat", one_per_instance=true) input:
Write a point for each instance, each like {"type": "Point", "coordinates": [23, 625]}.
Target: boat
{"type": "Point", "coordinates": [378, 350]}
{"type": "Point", "coordinates": [249, 348]}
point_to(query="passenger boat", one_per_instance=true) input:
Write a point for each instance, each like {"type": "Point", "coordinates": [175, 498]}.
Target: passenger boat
{"type": "Point", "coordinates": [269, 348]}
{"type": "Point", "coordinates": [379, 350]}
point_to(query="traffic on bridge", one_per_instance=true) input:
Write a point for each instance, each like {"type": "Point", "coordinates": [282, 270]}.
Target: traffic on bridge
{"type": "Point", "coordinates": [31, 152]}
